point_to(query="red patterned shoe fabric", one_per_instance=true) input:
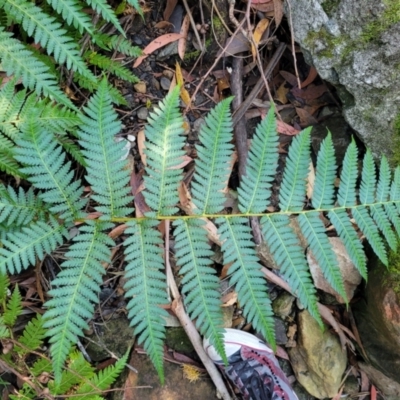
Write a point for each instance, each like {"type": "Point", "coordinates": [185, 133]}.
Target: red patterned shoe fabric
{"type": "Point", "coordinates": [252, 367]}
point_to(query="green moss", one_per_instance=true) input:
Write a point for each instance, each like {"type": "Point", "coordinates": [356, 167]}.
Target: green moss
{"type": "Point", "coordinates": [325, 37]}
{"type": "Point", "coordinates": [330, 6]}
{"type": "Point", "coordinates": [392, 273]}
{"type": "Point", "coordinates": [389, 17]}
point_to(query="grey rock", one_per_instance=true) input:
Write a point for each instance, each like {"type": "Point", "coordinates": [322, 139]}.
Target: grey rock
{"type": "Point", "coordinates": [283, 305]}
{"type": "Point", "coordinates": [165, 83]}
{"type": "Point", "coordinates": [356, 46]}
{"type": "Point", "coordinates": [143, 113]}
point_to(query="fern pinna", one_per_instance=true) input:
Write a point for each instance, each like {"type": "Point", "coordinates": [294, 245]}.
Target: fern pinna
{"type": "Point", "coordinates": [58, 203]}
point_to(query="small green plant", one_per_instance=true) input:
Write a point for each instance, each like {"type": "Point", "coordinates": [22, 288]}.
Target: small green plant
{"type": "Point", "coordinates": [35, 223]}
{"type": "Point", "coordinates": [79, 380]}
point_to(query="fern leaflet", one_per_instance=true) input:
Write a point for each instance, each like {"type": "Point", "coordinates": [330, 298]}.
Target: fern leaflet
{"type": "Point", "coordinates": [293, 189]}
{"type": "Point", "coordinates": [164, 154]}
{"type": "Point", "coordinates": [213, 158]}
{"type": "Point", "coordinates": [145, 288]}
{"type": "Point", "coordinates": [105, 168]}
{"type": "Point", "coordinates": [45, 30]}
{"type": "Point", "coordinates": [75, 290]}
{"type": "Point", "coordinates": [33, 335]}
{"type": "Point", "coordinates": [200, 284]}
{"type": "Point", "coordinates": [245, 275]}
{"type": "Point", "coordinates": [255, 187]}
{"type": "Point", "coordinates": [284, 246]}
{"type": "Point", "coordinates": [13, 308]}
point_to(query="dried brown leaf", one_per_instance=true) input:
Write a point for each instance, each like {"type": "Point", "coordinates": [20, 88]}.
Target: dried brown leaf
{"type": "Point", "coordinates": [184, 32]}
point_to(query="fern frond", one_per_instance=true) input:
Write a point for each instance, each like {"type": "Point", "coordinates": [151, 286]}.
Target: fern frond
{"type": "Point", "coordinates": [213, 157]}
{"type": "Point", "coordinates": [45, 165]}
{"type": "Point", "coordinates": [346, 232]}
{"type": "Point", "coordinates": [102, 380]}
{"type": "Point", "coordinates": [115, 67]}
{"type": "Point", "coordinates": [20, 249]}
{"type": "Point", "coordinates": [75, 290]}
{"type": "Point", "coordinates": [40, 366]}
{"type": "Point", "coordinates": [106, 170]}
{"type": "Point", "coordinates": [385, 215]}
{"type": "Point", "coordinates": [4, 330]}
{"type": "Point", "coordinates": [48, 32]}
{"type": "Point", "coordinates": [7, 161]}
{"type": "Point", "coordinates": [287, 253]}
{"type": "Point", "coordinates": [13, 308]}
{"type": "Point", "coordinates": [19, 208]}
{"type": "Point", "coordinates": [123, 45]}
{"type": "Point", "coordinates": [32, 337]}
{"type": "Point", "coordinates": [255, 187]}
{"type": "Point", "coordinates": [200, 283]}
{"type": "Point", "coordinates": [292, 192]}
{"type": "Point", "coordinates": [368, 179]}
{"type": "Point", "coordinates": [324, 188]}
{"type": "Point", "coordinates": [135, 4]}
{"type": "Point", "coordinates": [71, 148]}
{"type": "Point", "coordinates": [17, 60]}
{"type": "Point", "coordinates": [314, 231]}
{"type": "Point", "coordinates": [72, 13]}
{"type": "Point", "coordinates": [348, 177]}
{"type": "Point", "coordinates": [78, 370]}
{"type": "Point", "coordinates": [145, 288]}
{"type": "Point", "coordinates": [4, 283]}
{"type": "Point", "coordinates": [104, 9]}
{"type": "Point", "coordinates": [246, 276]}
{"type": "Point", "coordinates": [164, 144]}
{"type": "Point", "coordinates": [368, 227]}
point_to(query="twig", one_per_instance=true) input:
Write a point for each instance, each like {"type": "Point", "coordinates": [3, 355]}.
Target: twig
{"type": "Point", "coordinates": [292, 44]}
{"type": "Point", "coordinates": [196, 32]}
{"type": "Point", "coordinates": [240, 112]}
{"type": "Point", "coordinates": [188, 326]}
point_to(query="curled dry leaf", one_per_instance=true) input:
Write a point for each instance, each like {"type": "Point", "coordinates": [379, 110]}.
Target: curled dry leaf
{"type": "Point", "coordinates": [184, 32]}
{"type": "Point", "coordinates": [258, 32]}
{"type": "Point", "coordinates": [278, 12]}
{"type": "Point", "coordinates": [183, 92]}
{"type": "Point", "coordinates": [156, 44]}
{"type": "Point", "coordinates": [141, 146]}
{"type": "Point", "coordinates": [283, 127]}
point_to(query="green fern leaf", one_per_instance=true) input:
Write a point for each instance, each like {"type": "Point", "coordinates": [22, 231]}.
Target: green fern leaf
{"type": "Point", "coordinates": [255, 187]}
{"type": "Point", "coordinates": [20, 249]}
{"type": "Point", "coordinates": [213, 157]}
{"type": "Point", "coordinates": [106, 171]}
{"type": "Point", "coordinates": [17, 60]}
{"type": "Point", "coordinates": [4, 283]}
{"type": "Point", "coordinates": [46, 168]}
{"type": "Point", "coordinates": [7, 161]}
{"type": "Point", "coordinates": [112, 66]}
{"type": "Point", "coordinates": [368, 227]}
{"type": "Point", "coordinates": [102, 380]}
{"type": "Point", "coordinates": [346, 232]}
{"type": "Point", "coordinates": [292, 192]}
{"type": "Point", "coordinates": [40, 366]}
{"type": "Point", "coordinates": [104, 9]}
{"type": "Point", "coordinates": [324, 189]}
{"type": "Point", "coordinates": [4, 330]}
{"type": "Point", "coordinates": [135, 4]}
{"type": "Point", "coordinates": [71, 148]}
{"type": "Point", "coordinates": [19, 208]}
{"type": "Point", "coordinates": [314, 231]}
{"type": "Point", "coordinates": [13, 308]}
{"type": "Point", "coordinates": [78, 370]}
{"type": "Point", "coordinates": [200, 283]}
{"type": "Point", "coordinates": [368, 180]}
{"type": "Point", "coordinates": [284, 246]}
{"type": "Point", "coordinates": [75, 290]}
{"type": "Point", "coordinates": [348, 177]}
{"type": "Point", "coordinates": [164, 143]}
{"type": "Point", "coordinates": [124, 46]}
{"type": "Point", "coordinates": [384, 215]}
{"type": "Point", "coordinates": [145, 288]}
{"type": "Point", "coordinates": [246, 276]}
{"type": "Point", "coordinates": [45, 30]}
{"type": "Point", "coordinates": [72, 13]}
{"type": "Point", "coordinates": [32, 337]}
